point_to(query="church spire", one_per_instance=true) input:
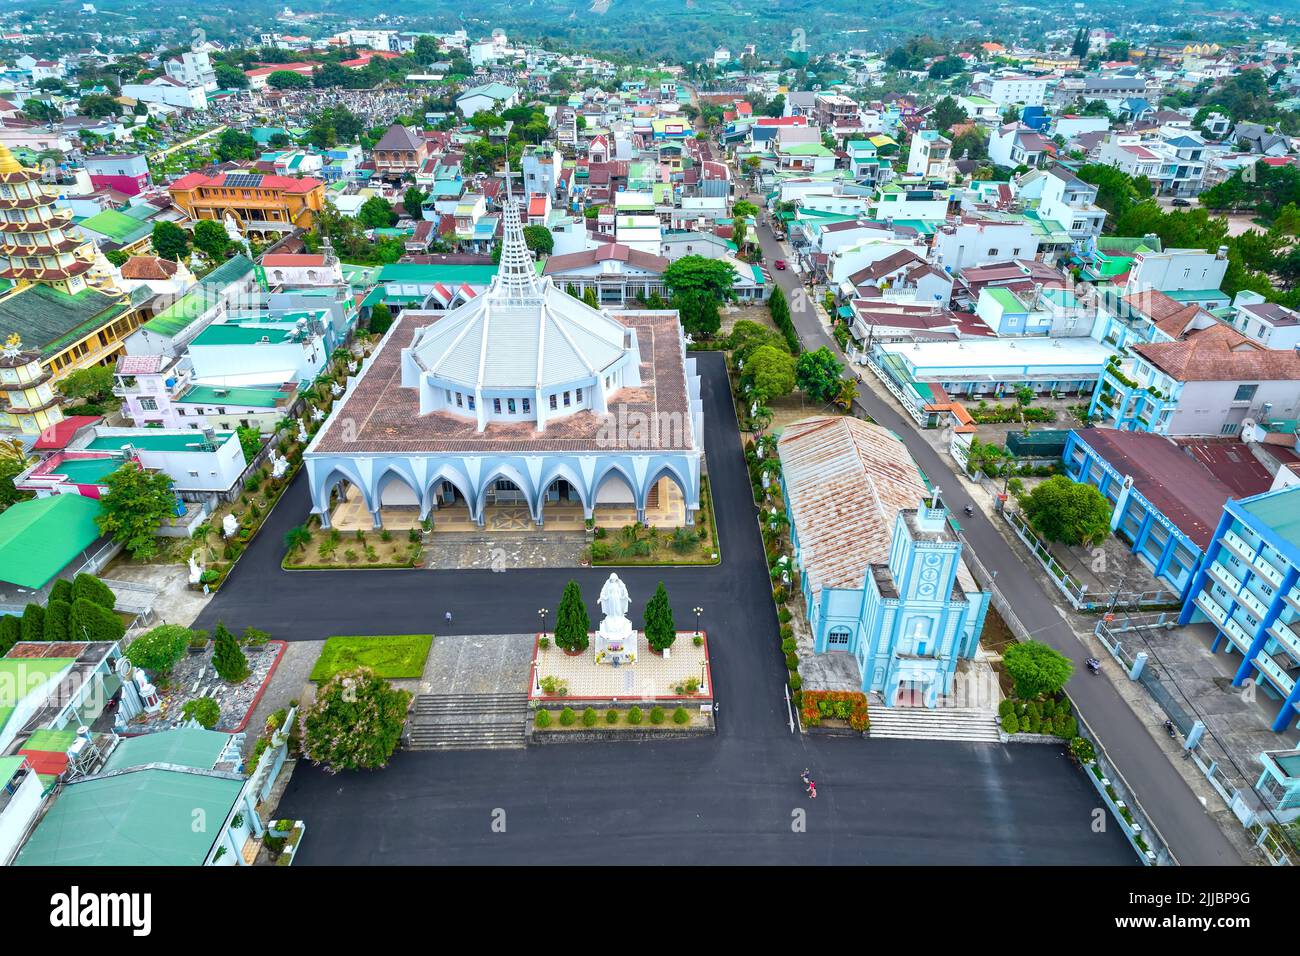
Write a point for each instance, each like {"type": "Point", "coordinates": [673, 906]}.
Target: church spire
{"type": "Point", "coordinates": [516, 276]}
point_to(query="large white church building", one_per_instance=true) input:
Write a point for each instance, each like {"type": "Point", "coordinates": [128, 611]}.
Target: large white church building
{"type": "Point", "coordinates": [524, 396]}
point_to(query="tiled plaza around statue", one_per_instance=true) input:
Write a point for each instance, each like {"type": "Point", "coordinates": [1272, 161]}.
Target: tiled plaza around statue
{"type": "Point", "coordinates": [650, 676]}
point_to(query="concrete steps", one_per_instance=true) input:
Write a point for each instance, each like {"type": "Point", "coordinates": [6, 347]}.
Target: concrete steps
{"type": "Point", "coordinates": [468, 722]}
{"type": "Point", "coordinates": [944, 723]}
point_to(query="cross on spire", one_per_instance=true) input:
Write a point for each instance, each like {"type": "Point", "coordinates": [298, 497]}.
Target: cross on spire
{"type": "Point", "coordinates": [516, 275]}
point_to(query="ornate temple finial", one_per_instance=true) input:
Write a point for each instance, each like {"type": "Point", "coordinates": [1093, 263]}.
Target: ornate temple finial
{"type": "Point", "coordinates": [13, 345]}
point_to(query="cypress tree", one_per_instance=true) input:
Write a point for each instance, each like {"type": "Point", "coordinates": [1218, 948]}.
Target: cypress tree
{"type": "Point", "coordinates": [56, 620]}
{"type": "Point", "coordinates": [660, 631]}
{"type": "Point", "coordinates": [62, 591]}
{"type": "Point", "coordinates": [228, 659]}
{"type": "Point", "coordinates": [33, 626]}
{"type": "Point", "coordinates": [94, 622]}
{"type": "Point", "coordinates": [571, 621]}
{"type": "Point", "coordinates": [10, 632]}
{"type": "Point", "coordinates": [92, 589]}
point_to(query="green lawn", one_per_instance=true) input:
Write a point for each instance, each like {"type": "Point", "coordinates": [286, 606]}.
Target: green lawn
{"type": "Point", "coordinates": [388, 655]}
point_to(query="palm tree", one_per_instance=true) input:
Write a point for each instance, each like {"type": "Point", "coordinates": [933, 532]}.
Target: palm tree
{"type": "Point", "coordinates": [297, 538]}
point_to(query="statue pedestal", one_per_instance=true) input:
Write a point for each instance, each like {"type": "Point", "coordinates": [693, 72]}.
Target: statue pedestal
{"type": "Point", "coordinates": [615, 642]}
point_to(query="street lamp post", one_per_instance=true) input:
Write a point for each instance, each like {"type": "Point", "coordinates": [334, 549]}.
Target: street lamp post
{"type": "Point", "coordinates": [542, 613]}
{"type": "Point", "coordinates": [698, 612]}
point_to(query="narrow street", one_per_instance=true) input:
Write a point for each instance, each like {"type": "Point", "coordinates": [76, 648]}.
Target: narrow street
{"type": "Point", "coordinates": [1193, 836]}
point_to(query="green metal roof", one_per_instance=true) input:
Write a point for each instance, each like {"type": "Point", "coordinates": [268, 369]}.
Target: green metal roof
{"type": "Point", "coordinates": [139, 817]}
{"type": "Point", "coordinates": [177, 317]}
{"type": "Point", "coordinates": [87, 471]}
{"type": "Point", "coordinates": [49, 320]}
{"type": "Point", "coordinates": [1278, 511]}
{"type": "Point", "coordinates": [117, 227]}
{"type": "Point", "coordinates": [1004, 298]}
{"type": "Point", "coordinates": [40, 536]}
{"type": "Point", "coordinates": [415, 272]}
{"type": "Point", "coordinates": [20, 677]}
{"type": "Point", "coordinates": [151, 440]}
{"type": "Point", "coordinates": [191, 747]}
{"type": "Point", "coordinates": [8, 767]}
{"type": "Point", "coordinates": [226, 333]}
{"type": "Point", "coordinates": [249, 397]}
{"type": "Point", "coordinates": [48, 740]}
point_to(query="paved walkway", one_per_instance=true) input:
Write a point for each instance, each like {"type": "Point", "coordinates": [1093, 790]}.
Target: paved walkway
{"type": "Point", "coordinates": [650, 675]}
{"type": "Point", "coordinates": [728, 797]}
{"type": "Point", "coordinates": [1193, 835]}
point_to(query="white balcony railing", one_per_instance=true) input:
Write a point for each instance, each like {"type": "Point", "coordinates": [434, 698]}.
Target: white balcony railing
{"type": "Point", "coordinates": [1280, 678]}
{"type": "Point", "coordinates": [1239, 546]}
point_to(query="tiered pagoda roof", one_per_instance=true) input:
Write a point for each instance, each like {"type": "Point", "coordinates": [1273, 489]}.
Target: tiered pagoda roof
{"type": "Point", "coordinates": [38, 242]}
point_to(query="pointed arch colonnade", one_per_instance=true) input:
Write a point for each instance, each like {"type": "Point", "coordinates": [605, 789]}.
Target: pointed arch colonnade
{"type": "Point", "coordinates": [428, 478]}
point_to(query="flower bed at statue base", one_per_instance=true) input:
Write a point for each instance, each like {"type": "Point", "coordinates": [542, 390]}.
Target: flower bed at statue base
{"type": "Point", "coordinates": [834, 708]}
{"type": "Point", "coordinates": [193, 677]}
{"type": "Point", "coordinates": [611, 720]}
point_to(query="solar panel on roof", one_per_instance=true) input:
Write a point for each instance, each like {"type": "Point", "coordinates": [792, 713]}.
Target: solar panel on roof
{"type": "Point", "coordinates": [243, 180]}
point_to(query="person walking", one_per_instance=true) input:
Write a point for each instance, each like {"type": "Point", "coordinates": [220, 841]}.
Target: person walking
{"type": "Point", "coordinates": [447, 617]}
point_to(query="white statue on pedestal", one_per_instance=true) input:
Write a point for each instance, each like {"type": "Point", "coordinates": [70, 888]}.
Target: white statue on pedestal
{"type": "Point", "coordinates": [279, 465]}
{"type": "Point", "coordinates": [229, 526]}
{"type": "Point", "coordinates": [196, 570]}
{"type": "Point", "coordinates": [336, 389]}
{"type": "Point", "coordinates": [302, 431]}
{"type": "Point", "coordinates": [615, 641]}
{"type": "Point", "coordinates": [318, 414]}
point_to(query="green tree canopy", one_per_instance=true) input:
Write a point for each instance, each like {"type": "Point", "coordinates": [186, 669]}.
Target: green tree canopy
{"type": "Point", "coordinates": [170, 241]}
{"type": "Point", "coordinates": [228, 658]}
{"type": "Point", "coordinates": [376, 213]}
{"type": "Point", "coordinates": [701, 274]}
{"type": "Point", "coordinates": [571, 621]}
{"type": "Point", "coordinates": [210, 238]}
{"type": "Point", "coordinates": [355, 722]}
{"type": "Point", "coordinates": [288, 80]}
{"type": "Point", "coordinates": [539, 239]}
{"type": "Point", "coordinates": [770, 372]}
{"type": "Point", "coordinates": [818, 375]}
{"type": "Point", "coordinates": [1068, 512]}
{"type": "Point", "coordinates": [88, 386]}
{"type": "Point", "coordinates": [158, 650]}
{"type": "Point", "coordinates": [699, 313]}
{"type": "Point", "coordinates": [1038, 670]}
{"type": "Point", "coordinates": [136, 504]}
{"type": "Point", "coordinates": [947, 114]}
{"type": "Point", "coordinates": [660, 630]}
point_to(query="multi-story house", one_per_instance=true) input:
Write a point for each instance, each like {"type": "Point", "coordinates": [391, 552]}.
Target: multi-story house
{"type": "Point", "coordinates": [1067, 199]}
{"type": "Point", "coordinates": [978, 240]}
{"type": "Point", "coordinates": [1173, 159]}
{"type": "Point", "coordinates": [127, 173]}
{"type": "Point", "coordinates": [1271, 325]}
{"type": "Point", "coordinates": [1248, 588]}
{"type": "Point", "coordinates": [256, 203]}
{"type": "Point", "coordinates": [930, 156]}
{"type": "Point", "coordinates": [192, 68]}
{"type": "Point", "coordinates": [1014, 89]}
{"type": "Point", "coordinates": [401, 151]}
{"type": "Point", "coordinates": [1213, 381]}
{"type": "Point", "coordinates": [1016, 145]}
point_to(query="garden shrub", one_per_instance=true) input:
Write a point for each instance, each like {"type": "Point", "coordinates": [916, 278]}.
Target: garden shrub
{"type": "Point", "coordinates": [543, 718]}
{"type": "Point", "coordinates": [656, 714]}
{"type": "Point", "coordinates": [611, 716]}
{"type": "Point", "coordinates": [589, 717]}
{"type": "Point", "coordinates": [1010, 723]}
{"type": "Point", "coordinates": [791, 661]}
{"type": "Point", "coordinates": [567, 717]}
{"type": "Point", "coordinates": [634, 715]}
{"type": "Point", "coordinates": [680, 716]}
{"type": "Point", "coordinates": [794, 680]}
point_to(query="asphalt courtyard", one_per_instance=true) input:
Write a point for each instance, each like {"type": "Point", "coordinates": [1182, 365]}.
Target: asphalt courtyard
{"type": "Point", "coordinates": [731, 798]}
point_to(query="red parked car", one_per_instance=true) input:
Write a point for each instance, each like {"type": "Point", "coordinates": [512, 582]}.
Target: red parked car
{"type": "Point", "coordinates": [780, 264]}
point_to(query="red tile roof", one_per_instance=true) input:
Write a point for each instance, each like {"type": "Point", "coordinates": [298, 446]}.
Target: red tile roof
{"type": "Point", "coordinates": [1178, 485]}
{"type": "Point", "coordinates": [1220, 354]}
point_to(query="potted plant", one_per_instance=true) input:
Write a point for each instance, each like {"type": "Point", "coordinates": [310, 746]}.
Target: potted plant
{"type": "Point", "coordinates": [198, 643]}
